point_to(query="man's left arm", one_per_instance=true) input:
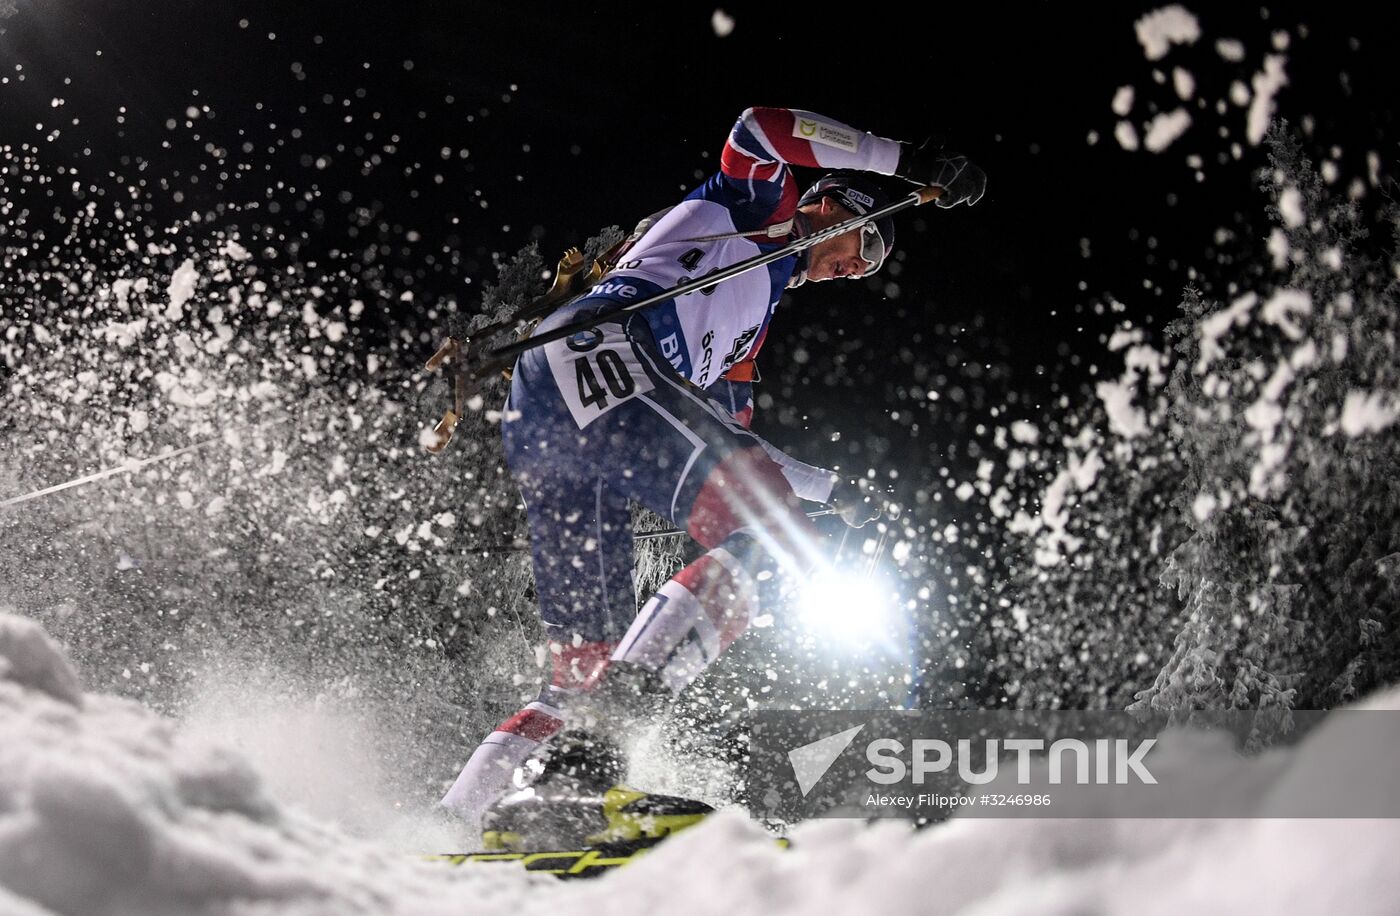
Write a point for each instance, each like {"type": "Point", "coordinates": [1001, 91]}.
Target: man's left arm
{"type": "Point", "coordinates": [765, 135]}
{"type": "Point", "coordinates": [765, 138]}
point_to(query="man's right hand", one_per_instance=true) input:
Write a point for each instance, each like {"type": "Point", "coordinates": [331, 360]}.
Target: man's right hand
{"type": "Point", "coordinates": [930, 164]}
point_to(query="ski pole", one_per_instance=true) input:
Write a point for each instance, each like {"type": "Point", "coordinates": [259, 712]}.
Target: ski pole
{"type": "Point", "coordinates": [127, 468]}
{"type": "Point", "coordinates": [510, 351]}
{"type": "Point", "coordinates": [517, 546]}
{"type": "Point", "coordinates": [469, 371]}
{"type": "Point", "coordinates": [672, 532]}
{"type": "Point", "coordinates": [132, 466]}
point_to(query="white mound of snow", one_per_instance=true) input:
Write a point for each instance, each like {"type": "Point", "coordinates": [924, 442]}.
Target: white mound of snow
{"type": "Point", "coordinates": [107, 809]}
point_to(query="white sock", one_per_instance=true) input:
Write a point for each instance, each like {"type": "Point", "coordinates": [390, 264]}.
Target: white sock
{"type": "Point", "coordinates": [489, 772]}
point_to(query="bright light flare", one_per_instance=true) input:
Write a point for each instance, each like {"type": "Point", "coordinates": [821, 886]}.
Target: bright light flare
{"type": "Point", "coordinates": [846, 608]}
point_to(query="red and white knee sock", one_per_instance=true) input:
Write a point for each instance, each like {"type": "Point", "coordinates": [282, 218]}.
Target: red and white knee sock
{"type": "Point", "coordinates": [758, 536]}
{"type": "Point", "coordinates": [692, 618]}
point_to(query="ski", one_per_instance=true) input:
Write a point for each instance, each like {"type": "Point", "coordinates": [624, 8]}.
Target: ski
{"type": "Point", "coordinates": [565, 864]}
{"type": "Point", "coordinates": [584, 862]}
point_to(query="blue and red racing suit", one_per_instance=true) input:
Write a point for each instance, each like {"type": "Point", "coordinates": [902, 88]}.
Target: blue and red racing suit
{"type": "Point", "coordinates": [641, 408]}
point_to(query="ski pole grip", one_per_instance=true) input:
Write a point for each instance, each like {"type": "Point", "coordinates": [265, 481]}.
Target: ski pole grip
{"type": "Point", "coordinates": [929, 193]}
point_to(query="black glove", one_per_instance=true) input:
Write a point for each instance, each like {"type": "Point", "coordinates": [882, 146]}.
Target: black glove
{"type": "Point", "coordinates": [929, 164]}
{"type": "Point", "coordinates": [857, 501]}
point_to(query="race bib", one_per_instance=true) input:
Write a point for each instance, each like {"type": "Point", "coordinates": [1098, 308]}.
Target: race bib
{"type": "Point", "coordinates": [596, 370]}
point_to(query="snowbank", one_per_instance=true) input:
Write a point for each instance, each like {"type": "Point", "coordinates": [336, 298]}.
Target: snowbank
{"type": "Point", "coordinates": [985, 867]}
{"type": "Point", "coordinates": [106, 808]}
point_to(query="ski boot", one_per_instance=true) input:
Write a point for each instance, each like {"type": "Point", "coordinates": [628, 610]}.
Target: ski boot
{"type": "Point", "coordinates": [578, 798]}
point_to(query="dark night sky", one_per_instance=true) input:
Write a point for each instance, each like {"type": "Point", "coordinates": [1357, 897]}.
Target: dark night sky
{"type": "Point", "coordinates": [606, 114]}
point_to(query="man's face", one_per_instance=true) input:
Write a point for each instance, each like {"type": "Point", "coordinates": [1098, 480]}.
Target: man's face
{"type": "Point", "coordinates": [838, 256]}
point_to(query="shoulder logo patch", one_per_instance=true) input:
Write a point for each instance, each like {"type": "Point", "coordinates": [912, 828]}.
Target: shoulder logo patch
{"type": "Point", "coordinates": [826, 134]}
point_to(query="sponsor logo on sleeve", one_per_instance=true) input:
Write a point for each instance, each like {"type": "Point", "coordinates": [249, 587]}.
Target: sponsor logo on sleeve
{"type": "Point", "coordinates": [826, 134]}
